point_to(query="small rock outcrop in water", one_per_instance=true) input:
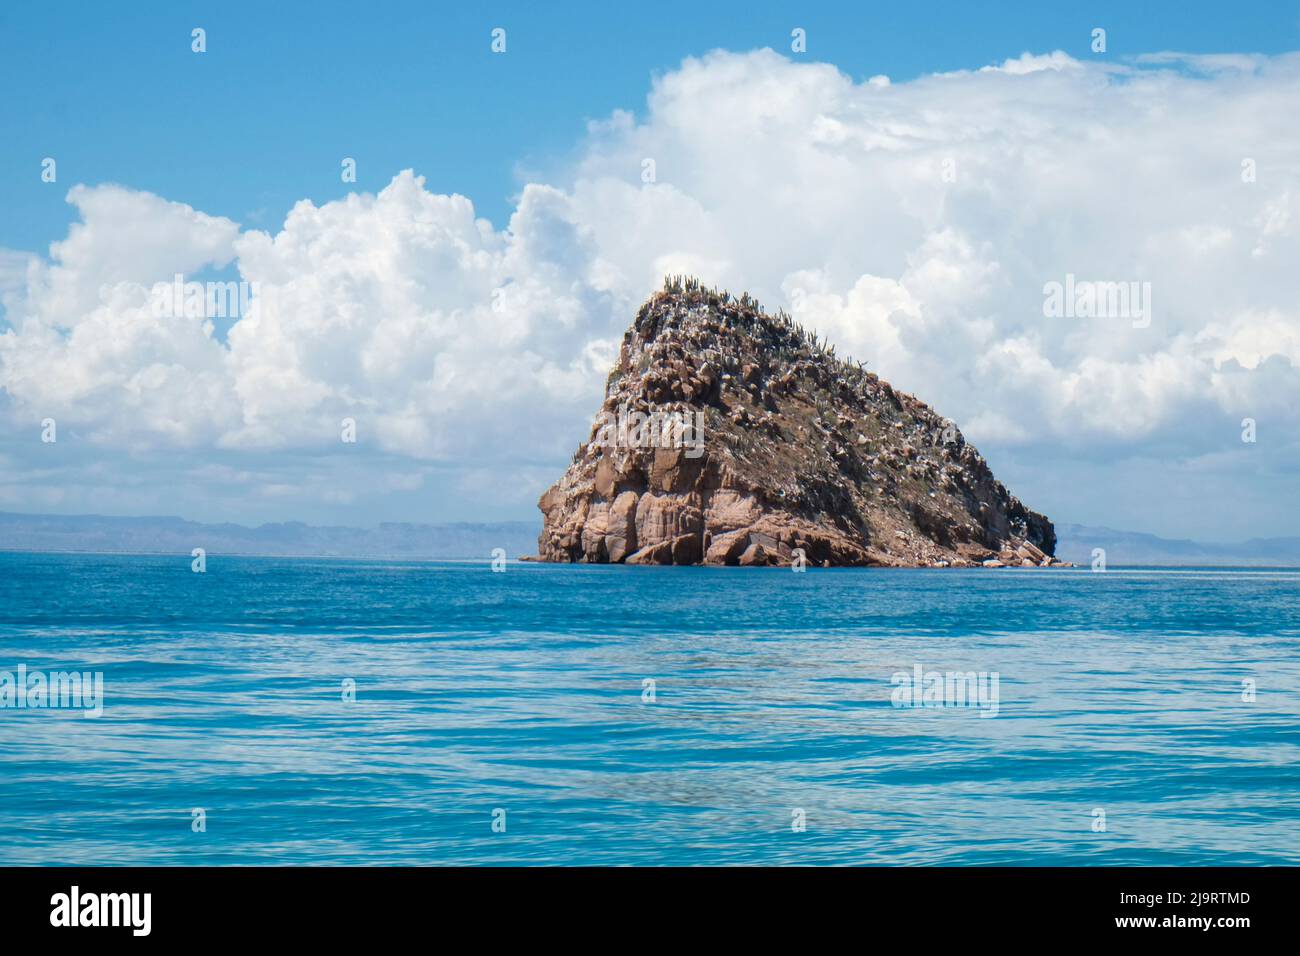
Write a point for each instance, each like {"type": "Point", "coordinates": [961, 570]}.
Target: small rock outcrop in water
{"type": "Point", "coordinates": [728, 436]}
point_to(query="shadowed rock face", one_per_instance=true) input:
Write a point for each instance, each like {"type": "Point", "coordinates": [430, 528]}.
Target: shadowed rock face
{"type": "Point", "coordinates": [728, 436]}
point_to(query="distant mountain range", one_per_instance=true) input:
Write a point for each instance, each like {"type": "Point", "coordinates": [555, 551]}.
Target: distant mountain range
{"type": "Point", "coordinates": [158, 535]}
{"type": "Point", "coordinates": [1076, 543]}
{"type": "Point", "coordinates": [155, 535]}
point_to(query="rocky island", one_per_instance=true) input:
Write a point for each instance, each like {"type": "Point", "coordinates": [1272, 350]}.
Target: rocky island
{"type": "Point", "coordinates": [731, 437]}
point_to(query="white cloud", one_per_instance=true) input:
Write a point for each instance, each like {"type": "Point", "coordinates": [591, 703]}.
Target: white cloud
{"type": "Point", "coordinates": [1030, 63]}
{"type": "Point", "coordinates": [914, 223]}
{"type": "Point", "coordinates": [830, 196]}
{"type": "Point", "coordinates": [400, 310]}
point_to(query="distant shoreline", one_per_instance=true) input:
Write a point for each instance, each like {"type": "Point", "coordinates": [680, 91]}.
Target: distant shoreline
{"type": "Point", "coordinates": [471, 541]}
{"type": "Point", "coordinates": [253, 554]}
{"type": "Point", "coordinates": [1188, 568]}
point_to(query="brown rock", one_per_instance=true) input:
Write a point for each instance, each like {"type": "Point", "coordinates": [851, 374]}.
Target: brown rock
{"type": "Point", "coordinates": [687, 549]}
{"type": "Point", "coordinates": [605, 476]}
{"type": "Point", "coordinates": [817, 461]}
{"type": "Point", "coordinates": [620, 527]}
{"type": "Point", "coordinates": [674, 470]}
{"type": "Point", "coordinates": [1031, 551]}
{"type": "Point", "coordinates": [661, 553]}
{"type": "Point", "coordinates": [726, 548]}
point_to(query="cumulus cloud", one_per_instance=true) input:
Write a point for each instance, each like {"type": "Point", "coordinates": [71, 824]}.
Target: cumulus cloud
{"type": "Point", "coordinates": [916, 225]}
{"type": "Point", "coordinates": [913, 223]}
{"type": "Point", "coordinates": [440, 337]}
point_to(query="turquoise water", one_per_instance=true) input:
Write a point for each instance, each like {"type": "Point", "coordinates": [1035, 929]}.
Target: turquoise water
{"type": "Point", "coordinates": [523, 691]}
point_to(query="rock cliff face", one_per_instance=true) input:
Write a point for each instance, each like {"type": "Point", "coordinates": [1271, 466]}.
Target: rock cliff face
{"type": "Point", "coordinates": [728, 436]}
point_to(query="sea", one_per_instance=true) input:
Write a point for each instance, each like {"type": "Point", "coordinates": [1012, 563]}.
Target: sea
{"type": "Point", "coordinates": [347, 712]}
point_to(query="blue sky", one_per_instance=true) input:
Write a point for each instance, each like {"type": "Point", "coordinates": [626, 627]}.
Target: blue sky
{"type": "Point", "coordinates": [815, 181]}
{"type": "Point", "coordinates": [261, 121]}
